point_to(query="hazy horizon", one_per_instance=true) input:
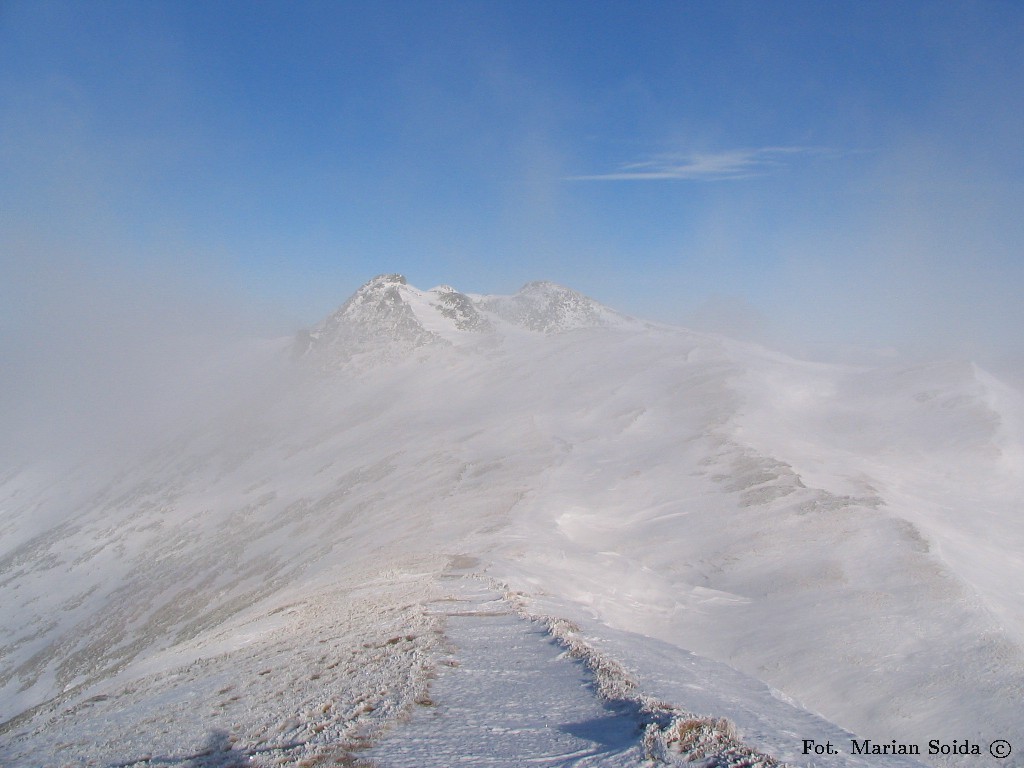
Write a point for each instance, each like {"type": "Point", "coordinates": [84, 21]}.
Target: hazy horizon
{"type": "Point", "coordinates": [832, 181]}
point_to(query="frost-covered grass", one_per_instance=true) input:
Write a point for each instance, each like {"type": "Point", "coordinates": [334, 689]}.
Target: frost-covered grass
{"type": "Point", "coordinates": [304, 683]}
{"type": "Point", "coordinates": [671, 735]}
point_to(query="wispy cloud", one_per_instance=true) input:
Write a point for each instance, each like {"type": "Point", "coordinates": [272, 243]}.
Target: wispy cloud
{"type": "Point", "coordinates": [703, 166]}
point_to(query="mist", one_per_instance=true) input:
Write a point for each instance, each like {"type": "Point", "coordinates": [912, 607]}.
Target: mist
{"type": "Point", "coordinates": [919, 258]}
{"type": "Point", "coordinates": [105, 358]}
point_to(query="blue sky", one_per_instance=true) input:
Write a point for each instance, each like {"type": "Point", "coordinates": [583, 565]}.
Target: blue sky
{"type": "Point", "coordinates": [834, 172]}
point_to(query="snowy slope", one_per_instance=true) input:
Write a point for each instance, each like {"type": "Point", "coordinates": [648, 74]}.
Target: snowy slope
{"type": "Point", "coordinates": [844, 539]}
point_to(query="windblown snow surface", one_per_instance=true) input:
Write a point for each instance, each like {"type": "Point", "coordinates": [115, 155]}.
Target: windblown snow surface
{"type": "Point", "coordinates": [528, 530]}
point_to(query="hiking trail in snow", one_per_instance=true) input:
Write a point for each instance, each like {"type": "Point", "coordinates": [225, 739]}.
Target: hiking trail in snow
{"type": "Point", "coordinates": [510, 697]}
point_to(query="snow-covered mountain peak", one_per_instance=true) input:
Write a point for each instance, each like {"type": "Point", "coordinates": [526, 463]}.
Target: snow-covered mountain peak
{"type": "Point", "coordinates": [385, 280]}
{"type": "Point", "coordinates": [379, 309]}
{"type": "Point", "coordinates": [387, 316]}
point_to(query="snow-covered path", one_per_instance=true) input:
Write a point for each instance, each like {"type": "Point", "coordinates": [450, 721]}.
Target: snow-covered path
{"type": "Point", "coordinates": [511, 697]}
{"type": "Point", "coordinates": [520, 688]}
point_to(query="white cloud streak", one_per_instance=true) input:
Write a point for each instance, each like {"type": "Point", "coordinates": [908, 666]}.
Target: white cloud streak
{"type": "Point", "coordinates": [703, 166]}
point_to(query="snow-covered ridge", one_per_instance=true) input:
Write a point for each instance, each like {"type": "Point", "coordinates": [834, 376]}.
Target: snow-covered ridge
{"type": "Point", "coordinates": [848, 537]}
